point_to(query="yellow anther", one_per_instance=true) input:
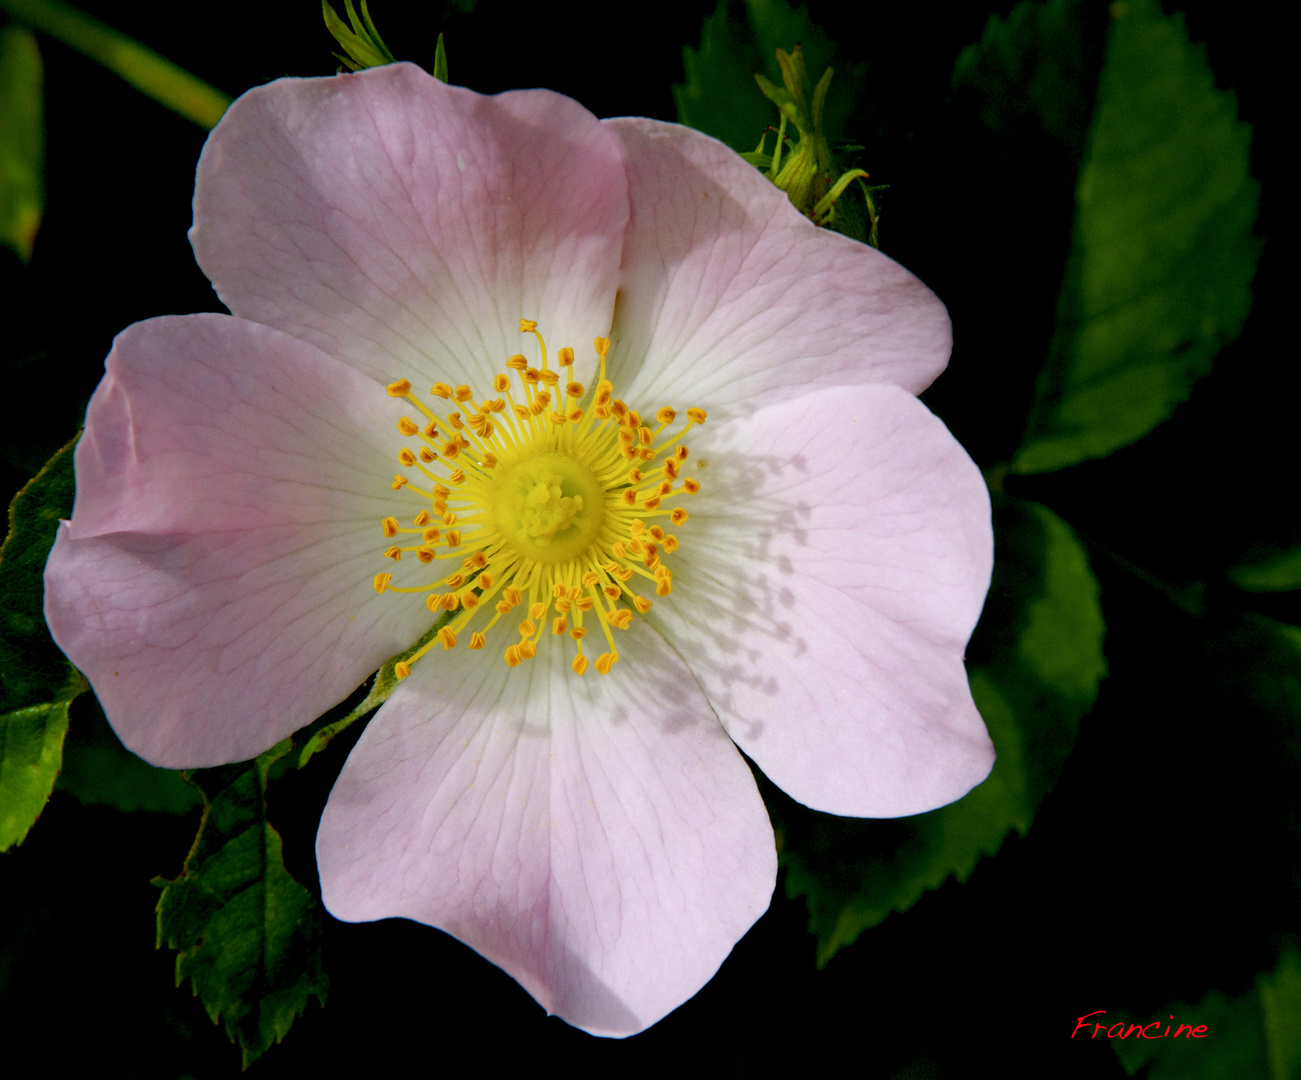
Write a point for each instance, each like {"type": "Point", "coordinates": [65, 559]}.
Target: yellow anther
{"type": "Point", "coordinates": [678, 516]}
{"type": "Point", "coordinates": [641, 604]}
{"type": "Point", "coordinates": [618, 409]}
{"type": "Point", "coordinates": [469, 599]}
{"type": "Point", "coordinates": [671, 469]}
{"type": "Point", "coordinates": [394, 553]}
{"type": "Point", "coordinates": [602, 345]}
{"type": "Point", "coordinates": [551, 378]}
{"type": "Point", "coordinates": [696, 416]}
{"type": "Point", "coordinates": [427, 455]}
{"type": "Point", "coordinates": [426, 554]}
{"type": "Point", "coordinates": [574, 389]}
{"type": "Point", "coordinates": [454, 581]}
{"type": "Point", "coordinates": [453, 538]}
{"type": "Point", "coordinates": [431, 430]}
{"type": "Point", "coordinates": [680, 454]}
{"type": "Point", "coordinates": [447, 637]}
{"type": "Point", "coordinates": [406, 425]}
{"type": "Point", "coordinates": [501, 383]}
{"type": "Point", "coordinates": [574, 415]}
{"type": "Point", "coordinates": [621, 619]}
{"type": "Point", "coordinates": [451, 448]}
{"type": "Point", "coordinates": [559, 625]}
{"type": "Point", "coordinates": [464, 393]}
{"type": "Point", "coordinates": [527, 628]}
{"type": "Point", "coordinates": [489, 461]}
{"type": "Point", "coordinates": [613, 592]}
{"type": "Point", "coordinates": [399, 482]}
{"type": "Point", "coordinates": [434, 603]}
{"type": "Point", "coordinates": [485, 580]}
{"type": "Point", "coordinates": [618, 549]}
{"type": "Point", "coordinates": [517, 363]}
{"type": "Point", "coordinates": [390, 526]}
{"type": "Point", "coordinates": [441, 389]}
{"type": "Point", "coordinates": [663, 587]}
{"type": "Point", "coordinates": [406, 457]}
{"type": "Point", "coordinates": [381, 581]}
{"type": "Point", "coordinates": [584, 603]}
{"type": "Point", "coordinates": [527, 326]}
{"type": "Point", "coordinates": [401, 669]}
{"type": "Point", "coordinates": [457, 423]}
{"type": "Point", "coordinates": [450, 602]}
{"type": "Point", "coordinates": [532, 375]}
{"type": "Point", "coordinates": [579, 666]}
{"type": "Point", "coordinates": [691, 486]}
{"type": "Point", "coordinates": [512, 595]}
{"type": "Point", "coordinates": [513, 657]}
{"type": "Point", "coordinates": [666, 415]}
{"type": "Point", "coordinates": [629, 497]}
{"type": "Point", "coordinates": [537, 610]}
{"type": "Point", "coordinates": [653, 503]}
{"type": "Point", "coordinates": [477, 561]}
{"type": "Point", "coordinates": [565, 358]}
{"type": "Point", "coordinates": [431, 534]}
{"type": "Point", "coordinates": [421, 519]}
{"type": "Point", "coordinates": [476, 640]}
{"type": "Point", "coordinates": [401, 388]}
{"type": "Point", "coordinates": [521, 412]}
{"type": "Point", "coordinates": [634, 476]}
{"type": "Point", "coordinates": [528, 649]}
{"type": "Point", "coordinates": [578, 633]}
{"type": "Point", "coordinates": [670, 544]}
{"type": "Point", "coordinates": [457, 476]}
{"type": "Point", "coordinates": [656, 533]}
{"type": "Point", "coordinates": [449, 518]}
{"type": "Point", "coordinates": [590, 579]}
{"type": "Point", "coordinates": [605, 662]}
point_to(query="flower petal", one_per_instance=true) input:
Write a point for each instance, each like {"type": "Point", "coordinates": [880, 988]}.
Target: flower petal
{"type": "Point", "coordinates": [598, 838]}
{"type": "Point", "coordinates": [214, 584]}
{"type": "Point", "coordinates": [832, 570]}
{"type": "Point", "coordinates": [405, 226]}
{"type": "Point", "coordinates": [731, 299]}
{"type": "Point", "coordinates": [208, 422]}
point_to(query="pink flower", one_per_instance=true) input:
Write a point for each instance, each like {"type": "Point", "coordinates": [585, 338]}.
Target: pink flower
{"type": "Point", "coordinates": [224, 578]}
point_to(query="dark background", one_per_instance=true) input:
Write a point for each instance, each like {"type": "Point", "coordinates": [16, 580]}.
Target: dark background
{"type": "Point", "coordinates": [1161, 866]}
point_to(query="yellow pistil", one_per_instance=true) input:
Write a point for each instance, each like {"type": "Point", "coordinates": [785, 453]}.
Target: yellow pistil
{"type": "Point", "coordinates": [537, 499]}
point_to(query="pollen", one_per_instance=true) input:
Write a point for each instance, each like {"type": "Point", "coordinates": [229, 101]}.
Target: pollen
{"type": "Point", "coordinates": [552, 509]}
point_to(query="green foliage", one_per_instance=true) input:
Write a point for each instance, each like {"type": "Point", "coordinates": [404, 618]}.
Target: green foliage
{"type": "Point", "coordinates": [22, 140]}
{"type": "Point", "coordinates": [364, 46]}
{"type": "Point", "coordinates": [1280, 572]}
{"type": "Point", "coordinates": [1035, 664]}
{"type": "Point", "coordinates": [740, 40]}
{"type": "Point", "coordinates": [36, 682]}
{"type": "Point", "coordinates": [247, 934]}
{"type": "Point", "coordinates": [1255, 1034]}
{"type": "Point", "coordinates": [99, 770]}
{"type": "Point", "coordinates": [1162, 255]}
{"type": "Point", "coordinates": [1033, 76]}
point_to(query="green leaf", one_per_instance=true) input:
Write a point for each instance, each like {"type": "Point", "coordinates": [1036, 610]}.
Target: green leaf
{"type": "Point", "coordinates": [440, 61]}
{"type": "Point", "coordinates": [1035, 663]}
{"type": "Point", "coordinates": [36, 682]}
{"type": "Point", "coordinates": [22, 140]}
{"type": "Point", "coordinates": [364, 46]}
{"type": "Point", "coordinates": [31, 748]}
{"type": "Point", "coordinates": [1255, 1034]}
{"type": "Point", "coordinates": [740, 40]}
{"type": "Point", "coordinates": [248, 935]}
{"type": "Point", "coordinates": [1275, 573]}
{"type": "Point", "coordinates": [1162, 254]}
{"type": "Point", "coordinates": [99, 770]}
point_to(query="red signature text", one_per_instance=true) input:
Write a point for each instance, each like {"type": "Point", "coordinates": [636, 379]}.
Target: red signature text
{"type": "Point", "coordinates": [1139, 1031]}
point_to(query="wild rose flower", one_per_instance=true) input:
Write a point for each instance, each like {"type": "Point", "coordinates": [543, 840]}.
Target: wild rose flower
{"type": "Point", "coordinates": [715, 517]}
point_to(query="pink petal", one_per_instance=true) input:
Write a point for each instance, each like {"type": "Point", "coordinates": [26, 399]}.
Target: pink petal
{"type": "Point", "coordinates": [830, 575]}
{"type": "Point", "coordinates": [598, 838]}
{"type": "Point", "coordinates": [731, 299]}
{"type": "Point", "coordinates": [214, 584]}
{"type": "Point", "coordinates": [405, 226]}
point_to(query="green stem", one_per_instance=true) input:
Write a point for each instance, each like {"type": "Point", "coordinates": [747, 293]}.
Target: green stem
{"type": "Point", "coordinates": [151, 74]}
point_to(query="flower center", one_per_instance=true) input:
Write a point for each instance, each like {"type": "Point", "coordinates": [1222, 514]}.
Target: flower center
{"type": "Point", "coordinates": [537, 504]}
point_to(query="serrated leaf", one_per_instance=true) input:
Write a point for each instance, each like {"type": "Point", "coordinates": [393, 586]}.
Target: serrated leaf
{"type": "Point", "coordinates": [1035, 663]}
{"type": "Point", "coordinates": [36, 681]}
{"type": "Point", "coordinates": [1254, 1034]}
{"type": "Point", "coordinates": [31, 749]}
{"type": "Point", "coordinates": [741, 38]}
{"type": "Point", "coordinates": [22, 140]}
{"type": "Point", "coordinates": [1162, 254]}
{"type": "Point", "coordinates": [247, 934]}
